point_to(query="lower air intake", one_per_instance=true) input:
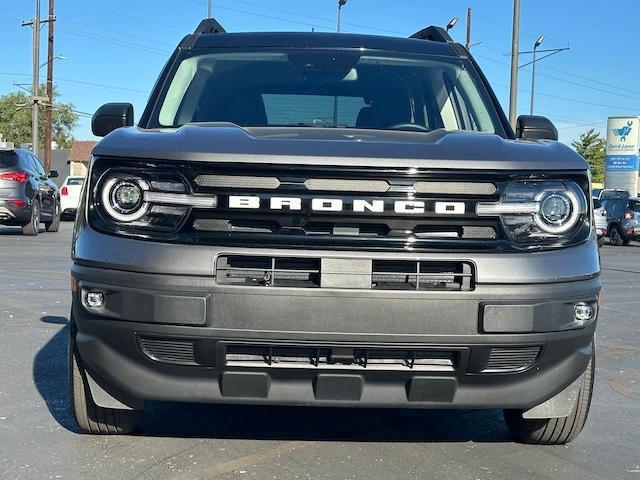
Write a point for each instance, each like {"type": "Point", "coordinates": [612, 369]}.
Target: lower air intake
{"type": "Point", "coordinates": [339, 358]}
{"type": "Point", "coordinates": [177, 352]}
{"type": "Point", "coordinates": [511, 359]}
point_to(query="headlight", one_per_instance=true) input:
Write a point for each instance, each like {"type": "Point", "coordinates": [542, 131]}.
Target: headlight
{"type": "Point", "coordinates": [139, 200]}
{"type": "Point", "coordinates": [541, 212]}
{"type": "Point", "coordinates": [123, 198]}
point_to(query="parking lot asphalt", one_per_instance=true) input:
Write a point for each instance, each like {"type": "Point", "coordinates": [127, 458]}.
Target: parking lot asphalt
{"type": "Point", "coordinates": [38, 437]}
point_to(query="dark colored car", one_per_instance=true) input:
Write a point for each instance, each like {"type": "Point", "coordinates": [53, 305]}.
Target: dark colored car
{"type": "Point", "coordinates": [332, 220]}
{"type": "Point", "coordinates": [623, 218]}
{"type": "Point", "coordinates": [28, 196]}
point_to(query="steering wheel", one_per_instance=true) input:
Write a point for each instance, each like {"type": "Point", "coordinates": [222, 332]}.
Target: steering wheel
{"type": "Point", "coordinates": [415, 127]}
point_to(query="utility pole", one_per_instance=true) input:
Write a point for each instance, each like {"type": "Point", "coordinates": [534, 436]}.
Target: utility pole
{"type": "Point", "coordinates": [35, 81]}
{"type": "Point", "coordinates": [209, 9]}
{"type": "Point", "coordinates": [468, 44]}
{"type": "Point", "coordinates": [48, 124]}
{"type": "Point", "coordinates": [515, 48]}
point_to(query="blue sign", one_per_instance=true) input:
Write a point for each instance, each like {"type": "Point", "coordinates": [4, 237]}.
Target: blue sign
{"type": "Point", "coordinates": [621, 162]}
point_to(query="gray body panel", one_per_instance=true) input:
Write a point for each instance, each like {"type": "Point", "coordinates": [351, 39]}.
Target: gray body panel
{"type": "Point", "coordinates": [226, 142]}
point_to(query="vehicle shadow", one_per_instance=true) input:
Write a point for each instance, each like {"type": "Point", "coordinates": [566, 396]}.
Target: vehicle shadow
{"type": "Point", "coordinates": [50, 374]}
{"type": "Point", "coordinates": [269, 422]}
{"type": "Point", "coordinates": [10, 231]}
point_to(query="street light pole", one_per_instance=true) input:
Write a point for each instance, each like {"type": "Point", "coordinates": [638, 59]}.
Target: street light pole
{"type": "Point", "coordinates": [341, 3]}
{"type": "Point", "coordinates": [533, 70]}
{"type": "Point", "coordinates": [209, 9]}
{"type": "Point", "coordinates": [468, 43]}
{"type": "Point", "coordinates": [515, 40]}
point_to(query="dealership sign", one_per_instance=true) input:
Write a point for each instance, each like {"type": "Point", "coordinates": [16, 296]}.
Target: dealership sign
{"type": "Point", "coordinates": [623, 146]}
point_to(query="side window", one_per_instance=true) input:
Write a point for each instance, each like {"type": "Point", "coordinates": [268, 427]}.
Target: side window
{"type": "Point", "coordinates": [38, 166]}
{"type": "Point", "coordinates": [25, 162]}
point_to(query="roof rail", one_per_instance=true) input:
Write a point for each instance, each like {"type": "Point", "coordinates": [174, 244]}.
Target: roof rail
{"type": "Point", "coordinates": [210, 25]}
{"type": "Point", "coordinates": [433, 33]}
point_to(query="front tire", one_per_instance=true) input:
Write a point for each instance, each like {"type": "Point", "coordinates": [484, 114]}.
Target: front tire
{"type": "Point", "coordinates": [555, 431]}
{"type": "Point", "coordinates": [92, 418]}
{"type": "Point", "coordinates": [32, 228]}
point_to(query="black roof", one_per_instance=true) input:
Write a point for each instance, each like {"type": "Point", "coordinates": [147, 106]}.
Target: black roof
{"type": "Point", "coordinates": [320, 40]}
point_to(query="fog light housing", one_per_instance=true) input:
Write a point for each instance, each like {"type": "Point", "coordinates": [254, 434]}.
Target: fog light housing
{"type": "Point", "coordinates": [583, 312]}
{"type": "Point", "coordinates": [95, 299]}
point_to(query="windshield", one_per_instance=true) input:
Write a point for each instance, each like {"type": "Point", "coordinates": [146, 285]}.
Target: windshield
{"type": "Point", "coordinates": [319, 88]}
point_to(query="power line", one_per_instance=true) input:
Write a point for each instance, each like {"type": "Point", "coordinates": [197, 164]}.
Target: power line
{"type": "Point", "coordinates": [103, 29]}
{"type": "Point", "coordinates": [255, 14]}
{"type": "Point", "coordinates": [112, 41]}
{"type": "Point", "coordinates": [331, 21]}
{"type": "Point", "coordinates": [93, 6]}
{"type": "Point", "coordinates": [570, 82]}
{"type": "Point", "coordinates": [102, 86]}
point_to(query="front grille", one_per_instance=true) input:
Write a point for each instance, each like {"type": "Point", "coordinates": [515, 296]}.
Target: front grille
{"type": "Point", "coordinates": [303, 272]}
{"type": "Point", "coordinates": [354, 208]}
{"type": "Point", "coordinates": [511, 359]}
{"type": "Point", "coordinates": [340, 358]}
{"type": "Point", "coordinates": [174, 351]}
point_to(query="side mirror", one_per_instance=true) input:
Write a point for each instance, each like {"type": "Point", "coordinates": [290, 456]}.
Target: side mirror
{"type": "Point", "coordinates": [111, 116]}
{"type": "Point", "coordinates": [530, 127]}
{"type": "Point", "coordinates": [53, 174]}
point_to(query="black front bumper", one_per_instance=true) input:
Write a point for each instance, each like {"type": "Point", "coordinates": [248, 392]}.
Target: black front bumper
{"type": "Point", "coordinates": [185, 338]}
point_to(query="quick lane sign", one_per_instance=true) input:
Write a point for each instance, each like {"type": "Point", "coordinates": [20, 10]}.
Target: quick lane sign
{"type": "Point", "coordinates": [623, 135]}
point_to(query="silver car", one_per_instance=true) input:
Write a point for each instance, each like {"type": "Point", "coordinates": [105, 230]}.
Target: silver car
{"type": "Point", "coordinates": [600, 221]}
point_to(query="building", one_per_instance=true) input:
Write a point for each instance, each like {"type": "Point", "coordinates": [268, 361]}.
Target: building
{"type": "Point", "coordinates": [80, 156]}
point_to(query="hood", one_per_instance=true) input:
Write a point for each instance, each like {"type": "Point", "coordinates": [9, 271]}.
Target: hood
{"type": "Point", "coordinates": [439, 149]}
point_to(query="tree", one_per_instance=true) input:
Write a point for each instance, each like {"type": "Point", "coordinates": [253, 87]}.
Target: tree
{"type": "Point", "coordinates": [15, 119]}
{"type": "Point", "coordinates": [592, 147]}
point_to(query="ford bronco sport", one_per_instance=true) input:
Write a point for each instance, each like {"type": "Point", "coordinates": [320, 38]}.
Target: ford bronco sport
{"type": "Point", "coordinates": [332, 220]}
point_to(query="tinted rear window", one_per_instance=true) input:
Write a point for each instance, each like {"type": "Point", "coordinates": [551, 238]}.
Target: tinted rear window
{"type": "Point", "coordinates": [75, 181]}
{"type": "Point", "coordinates": [8, 159]}
{"type": "Point", "coordinates": [635, 206]}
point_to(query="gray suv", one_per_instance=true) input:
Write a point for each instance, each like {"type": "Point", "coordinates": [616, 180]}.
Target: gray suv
{"type": "Point", "coordinates": [332, 220]}
{"type": "Point", "coordinates": [28, 196]}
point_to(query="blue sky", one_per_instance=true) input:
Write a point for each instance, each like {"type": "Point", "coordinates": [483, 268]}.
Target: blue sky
{"type": "Point", "coordinates": [114, 50]}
